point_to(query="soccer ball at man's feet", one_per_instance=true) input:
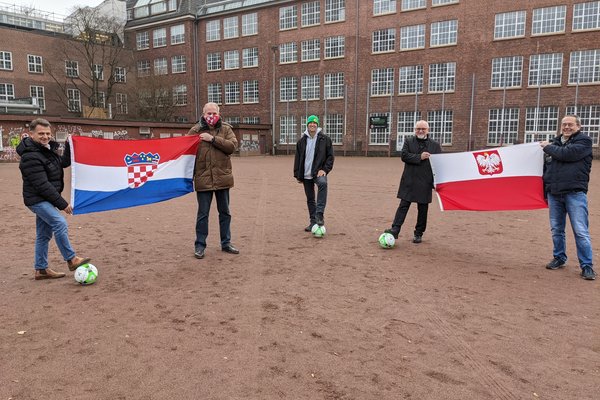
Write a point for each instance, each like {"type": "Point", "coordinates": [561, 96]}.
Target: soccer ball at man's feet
{"type": "Point", "coordinates": [86, 274]}
{"type": "Point", "coordinates": [318, 230]}
{"type": "Point", "coordinates": [386, 240]}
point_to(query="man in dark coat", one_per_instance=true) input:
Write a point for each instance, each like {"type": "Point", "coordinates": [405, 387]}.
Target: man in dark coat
{"type": "Point", "coordinates": [417, 180]}
{"type": "Point", "coordinates": [42, 171]}
{"type": "Point", "coordinates": [312, 163]}
{"type": "Point", "coordinates": [566, 177]}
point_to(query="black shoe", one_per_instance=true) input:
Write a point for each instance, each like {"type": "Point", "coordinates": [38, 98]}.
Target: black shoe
{"type": "Point", "coordinates": [588, 273]}
{"type": "Point", "coordinates": [392, 232]}
{"type": "Point", "coordinates": [320, 220]}
{"type": "Point", "coordinates": [309, 227]}
{"type": "Point", "coordinates": [199, 253]}
{"type": "Point", "coordinates": [556, 263]}
{"type": "Point", "coordinates": [417, 239]}
{"type": "Point", "coordinates": [230, 249]}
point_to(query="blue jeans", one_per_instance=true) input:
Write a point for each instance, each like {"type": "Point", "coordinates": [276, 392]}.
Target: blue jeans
{"type": "Point", "coordinates": [317, 206]}
{"type": "Point", "coordinates": [573, 204]}
{"type": "Point", "coordinates": [49, 221]}
{"type": "Point", "coordinates": [204, 202]}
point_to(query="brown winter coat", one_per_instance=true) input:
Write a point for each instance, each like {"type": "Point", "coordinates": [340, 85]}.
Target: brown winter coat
{"type": "Point", "coordinates": [212, 170]}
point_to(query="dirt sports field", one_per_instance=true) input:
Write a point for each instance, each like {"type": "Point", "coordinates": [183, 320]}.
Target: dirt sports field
{"type": "Point", "coordinates": [471, 313]}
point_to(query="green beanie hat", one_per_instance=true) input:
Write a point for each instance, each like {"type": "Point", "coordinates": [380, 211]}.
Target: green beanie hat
{"type": "Point", "coordinates": [312, 118]}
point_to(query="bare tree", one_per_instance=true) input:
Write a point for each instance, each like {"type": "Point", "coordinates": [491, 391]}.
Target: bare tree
{"type": "Point", "coordinates": [154, 98]}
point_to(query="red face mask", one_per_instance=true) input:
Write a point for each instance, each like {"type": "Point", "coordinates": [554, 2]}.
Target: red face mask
{"type": "Point", "coordinates": [211, 119]}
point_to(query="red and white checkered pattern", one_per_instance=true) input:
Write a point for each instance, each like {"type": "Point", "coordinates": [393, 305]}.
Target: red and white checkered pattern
{"type": "Point", "coordinates": [137, 175]}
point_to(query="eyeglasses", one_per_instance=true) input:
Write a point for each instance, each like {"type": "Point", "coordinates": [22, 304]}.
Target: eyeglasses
{"type": "Point", "coordinates": [421, 129]}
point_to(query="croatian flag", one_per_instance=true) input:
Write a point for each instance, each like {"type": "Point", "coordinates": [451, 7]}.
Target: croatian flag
{"type": "Point", "coordinates": [505, 178]}
{"type": "Point", "coordinates": [113, 174]}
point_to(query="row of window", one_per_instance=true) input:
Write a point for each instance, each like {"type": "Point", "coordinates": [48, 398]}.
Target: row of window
{"type": "Point", "coordinates": [231, 59]}
{"type": "Point", "coordinates": [178, 65]}
{"type": "Point", "coordinates": [381, 7]}
{"type": "Point", "coordinates": [310, 50]}
{"type": "Point", "coordinates": [310, 14]}
{"type": "Point", "coordinates": [177, 96]}
{"type": "Point", "coordinates": [547, 20]}
{"type": "Point", "coordinates": [145, 8]}
{"type": "Point", "coordinates": [231, 27]}
{"type": "Point", "coordinates": [232, 92]}
{"type": "Point", "coordinates": [159, 37]}
{"type": "Point", "coordinates": [443, 33]}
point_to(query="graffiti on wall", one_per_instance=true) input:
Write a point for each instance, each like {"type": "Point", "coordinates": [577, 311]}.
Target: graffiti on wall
{"type": "Point", "coordinates": [63, 130]}
{"type": "Point", "coordinates": [9, 153]}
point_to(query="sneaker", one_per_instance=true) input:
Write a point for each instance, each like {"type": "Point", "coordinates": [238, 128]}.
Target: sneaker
{"type": "Point", "coordinates": [417, 239]}
{"type": "Point", "coordinates": [320, 220]}
{"type": "Point", "coordinates": [392, 232]}
{"type": "Point", "coordinates": [556, 263]}
{"type": "Point", "coordinates": [47, 274]}
{"type": "Point", "coordinates": [309, 227]}
{"type": "Point", "coordinates": [199, 254]}
{"type": "Point", "coordinates": [588, 273]}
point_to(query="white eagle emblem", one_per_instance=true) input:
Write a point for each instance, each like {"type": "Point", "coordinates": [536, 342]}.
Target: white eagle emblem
{"type": "Point", "coordinates": [489, 162]}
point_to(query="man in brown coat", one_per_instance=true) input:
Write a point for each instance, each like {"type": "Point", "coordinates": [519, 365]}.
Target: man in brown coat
{"type": "Point", "coordinates": [212, 174]}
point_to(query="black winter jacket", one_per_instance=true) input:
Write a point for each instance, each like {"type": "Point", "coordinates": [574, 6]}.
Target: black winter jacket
{"type": "Point", "coordinates": [42, 172]}
{"type": "Point", "coordinates": [568, 165]}
{"type": "Point", "coordinates": [417, 179]}
{"type": "Point", "coordinates": [323, 156]}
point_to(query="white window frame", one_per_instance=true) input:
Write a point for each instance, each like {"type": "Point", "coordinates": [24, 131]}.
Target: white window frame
{"type": "Point", "coordinates": [288, 18]}
{"type": "Point", "coordinates": [382, 82]}
{"type": "Point", "coordinates": [412, 37]}
{"type": "Point", "coordinates": [334, 127]}
{"type": "Point", "coordinates": [159, 37]}
{"type": "Point", "coordinates": [503, 126]}
{"type": "Point", "coordinates": [161, 66]}
{"type": "Point", "coordinates": [410, 79]}
{"type": "Point", "coordinates": [180, 95]}
{"type": "Point", "coordinates": [288, 88]}
{"type": "Point", "coordinates": [231, 59]}
{"type": "Point", "coordinates": [215, 93]}
{"type": "Point", "coordinates": [232, 93]}
{"type": "Point", "coordinates": [311, 50]}
{"type": "Point", "coordinates": [288, 129]}
{"type": "Point", "coordinates": [250, 95]}
{"type": "Point", "coordinates": [541, 124]}
{"type": "Point", "coordinates": [7, 91]}
{"type": "Point", "coordinates": [35, 64]}
{"type": "Point", "coordinates": [510, 25]}
{"type": "Point", "coordinates": [444, 33]}
{"type": "Point", "coordinates": [444, 73]}
{"type": "Point", "coordinates": [586, 64]}
{"type": "Point", "coordinates": [213, 30]}
{"type": "Point", "coordinates": [333, 85]}
{"type": "Point", "coordinates": [548, 20]}
{"type": "Point", "coordinates": [120, 75]}
{"type": "Point", "coordinates": [310, 87]}
{"type": "Point", "coordinates": [250, 24]}
{"type": "Point", "coordinates": [177, 34]}
{"type": "Point", "coordinates": [586, 16]}
{"type": "Point", "coordinates": [545, 70]}
{"type": "Point", "coordinates": [231, 28]}
{"type": "Point", "coordinates": [74, 100]}
{"type": "Point", "coordinates": [311, 13]}
{"type": "Point", "coordinates": [507, 72]}
{"type": "Point", "coordinates": [250, 57]}
{"type": "Point", "coordinates": [407, 5]}
{"type": "Point", "coordinates": [178, 64]}
{"type": "Point", "coordinates": [288, 53]}
{"type": "Point", "coordinates": [72, 69]}
{"type": "Point", "coordinates": [335, 11]}
{"type": "Point", "coordinates": [142, 40]}
{"type": "Point", "coordinates": [381, 7]}
{"type": "Point", "coordinates": [383, 41]}
{"type": "Point", "coordinates": [335, 47]}
{"type": "Point", "coordinates": [39, 93]}
{"type": "Point", "coordinates": [213, 62]}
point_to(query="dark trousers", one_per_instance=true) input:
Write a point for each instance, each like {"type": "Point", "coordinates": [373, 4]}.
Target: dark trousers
{"type": "Point", "coordinates": [317, 206]}
{"type": "Point", "coordinates": [400, 216]}
{"type": "Point", "coordinates": [204, 202]}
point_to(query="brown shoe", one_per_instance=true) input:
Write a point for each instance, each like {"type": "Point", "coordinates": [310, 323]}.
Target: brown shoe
{"type": "Point", "coordinates": [47, 274]}
{"type": "Point", "coordinates": [77, 262]}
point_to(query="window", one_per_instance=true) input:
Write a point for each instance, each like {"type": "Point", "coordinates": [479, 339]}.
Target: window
{"type": "Point", "coordinates": [412, 4]}
{"type": "Point", "coordinates": [232, 93]}
{"type": "Point", "coordinates": [444, 33]}
{"type": "Point", "coordinates": [335, 47]}
{"type": "Point", "coordinates": [215, 93]}
{"type": "Point", "coordinates": [509, 25]}
{"type": "Point", "coordinates": [379, 135]}
{"type": "Point", "coordinates": [585, 67]}
{"type": "Point", "coordinates": [382, 82]}
{"type": "Point", "coordinates": [384, 7]}
{"type": "Point", "coordinates": [586, 16]}
{"type": "Point", "coordinates": [590, 120]}
{"type": "Point", "coordinates": [160, 66]}
{"type": "Point", "coordinates": [178, 64]}
{"type": "Point", "coordinates": [120, 74]}
{"type": "Point", "coordinates": [440, 126]}
{"type": "Point", "coordinates": [251, 120]}
{"type": "Point", "coordinates": [232, 120]}
{"type": "Point", "coordinates": [99, 100]}
{"type": "Point", "coordinates": [507, 72]}
{"type": "Point", "coordinates": [143, 68]}
{"type": "Point", "coordinates": [72, 69]}
{"type": "Point", "coordinates": [288, 89]}
{"type": "Point", "coordinates": [213, 61]}
{"type": "Point", "coordinates": [311, 87]}
{"type": "Point", "coordinates": [288, 18]}
{"type": "Point", "coordinates": [249, 24]}
{"type": "Point", "coordinates": [545, 69]}
{"type": "Point", "coordinates": [7, 91]}
{"type": "Point", "coordinates": [288, 52]}
{"type": "Point", "coordinates": [121, 102]}
{"type": "Point", "coordinates": [213, 30]}
{"type": "Point", "coordinates": [311, 50]}
{"type": "Point", "coordinates": [311, 13]}
{"type": "Point", "coordinates": [503, 126]}
{"type": "Point", "coordinates": [406, 126]}
{"type": "Point", "coordinates": [287, 129]}
{"type": "Point", "coordinates": [442, 2]}
{"type": "Point", "coordinates": [6, 60]}
{"type": "Point", "coordinates": [335, 10]}
{"type": "Point", "coordinates": [250, 57]}
{"type": "Point", "coordinates": [411, 79]}
{"type": "Point", "coordinates": [384, 40]}
{"type": "Point", "coordinates": [159, 37]}
{"type": "Point", "coordinates": [74, 99]}
{"type": "Point", "coordinates": [34, 64]}
{"type": "Point", "coordinates": [180, 95]}
{"type": "Point", "coordinates": [441, 77]}
{"type": "Point", "coordinates": [540, 124]}
{"type": "Point", "coordinates": [251, 91]}
{"type": "Point", "coordinates": [142, 40]}
{"type": "Point", "coordinates": [230, 28]}
{"type": "Point", "coordinates": [98, 72]}
{"type": "Point", "coordinates": [178, 34]}
{"type": "Point", "coordinates": [232, 59]}
{"type": "Point", "coordinates": [334, 127]}
{"type": "Point", "coordinates": [334, 85]}
{"type": "Point", "coordinates": [548, 20]}
{"type": "Point", "coordinates": [412, 37]}
{"type": "Point", "coordinates": [37, 92]}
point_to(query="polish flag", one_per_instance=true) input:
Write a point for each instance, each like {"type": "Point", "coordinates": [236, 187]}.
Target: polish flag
{"type": "Point", "coordinates": [504, 178]}
{"type": "Point", "coordinates": [113, 174]}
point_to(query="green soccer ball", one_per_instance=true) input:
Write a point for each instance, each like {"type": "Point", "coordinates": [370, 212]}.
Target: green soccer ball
{"type": "Point", "coordinates": [86, 274]}
{"type": "Point", "coordinates": [318, 230]}
{"type": "Point", "coordinates": [386, 240]}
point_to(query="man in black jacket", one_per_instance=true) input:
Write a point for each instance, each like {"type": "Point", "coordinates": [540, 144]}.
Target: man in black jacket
{"type": "Point", "coordinates": [313, 161]}
{"type": "Point", "coordinates": [42, 171]}
{"type": "Point", "coordinates": [417, 180]}
{"type": "Point", "coordinates": [566, 177]}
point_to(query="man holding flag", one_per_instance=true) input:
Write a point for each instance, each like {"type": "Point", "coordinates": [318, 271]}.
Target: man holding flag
{"type": "Point", "coordinates": [566, 177]}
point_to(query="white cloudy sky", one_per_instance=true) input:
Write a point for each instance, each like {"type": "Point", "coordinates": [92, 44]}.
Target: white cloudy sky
{"type": "Point", "coordinates": [61, 7]}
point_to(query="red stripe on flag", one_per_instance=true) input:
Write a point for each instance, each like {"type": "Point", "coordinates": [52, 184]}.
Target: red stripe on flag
{"type": "Point", "coordinates": [111, 153]}
{"type": "Point", "coordinates": [495, 194]}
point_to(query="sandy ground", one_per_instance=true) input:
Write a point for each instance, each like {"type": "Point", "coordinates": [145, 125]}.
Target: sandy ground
{"type": "Point", "coordinates": [471, 313]}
